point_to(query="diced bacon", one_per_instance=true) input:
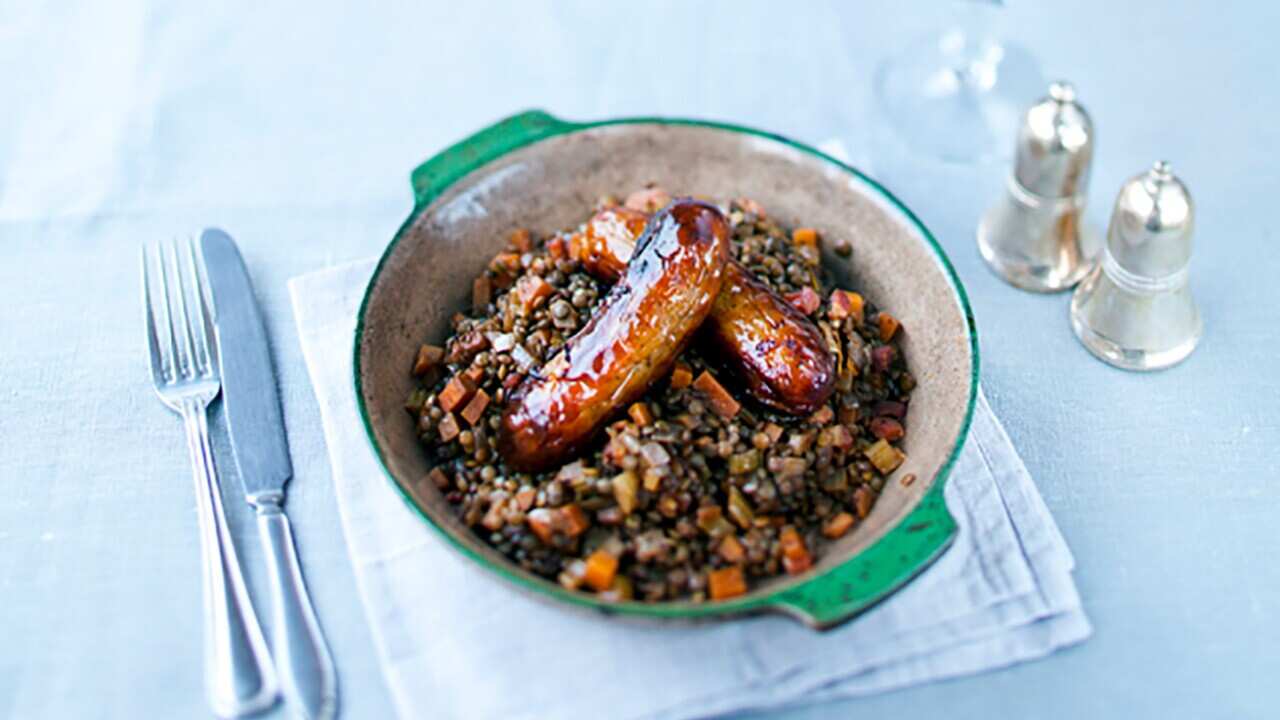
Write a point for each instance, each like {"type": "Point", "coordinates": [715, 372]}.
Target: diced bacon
{"type": "Point", "coordinates": [805, 300]}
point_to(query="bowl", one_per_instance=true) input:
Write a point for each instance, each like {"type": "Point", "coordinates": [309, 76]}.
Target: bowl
{"type": "Point", "coordinates": [536, 171]}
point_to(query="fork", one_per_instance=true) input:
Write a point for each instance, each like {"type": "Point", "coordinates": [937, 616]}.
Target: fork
{"type": "Point", "coordinates": [239, 676]}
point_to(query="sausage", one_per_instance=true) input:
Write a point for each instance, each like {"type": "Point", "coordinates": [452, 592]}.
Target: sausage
{"type": "Point", "coordinates": [768, 345]}
{"type": "Point", "coordinates": [752, 334]}
{"type": "Point", "coordinates": [605, 246]}
{"type": "Point", "coordinates": [646, 320]}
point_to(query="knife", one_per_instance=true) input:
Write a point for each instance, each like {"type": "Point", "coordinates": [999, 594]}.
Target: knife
{"type": "Point", "coordinates": [251, 405]}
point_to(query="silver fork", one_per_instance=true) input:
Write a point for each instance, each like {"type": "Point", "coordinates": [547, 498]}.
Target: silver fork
{"type": "Point", "coordinates": [239, 676]}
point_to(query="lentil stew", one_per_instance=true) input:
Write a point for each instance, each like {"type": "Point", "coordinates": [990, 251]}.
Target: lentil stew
{"type": "Point", "coordinates": [696, 490]}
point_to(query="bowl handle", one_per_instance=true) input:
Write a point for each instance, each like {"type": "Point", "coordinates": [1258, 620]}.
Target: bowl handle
{"type": "Point", "coordinates": [433, 176]}
{"type": "Point", "coordinates": [847, 589]}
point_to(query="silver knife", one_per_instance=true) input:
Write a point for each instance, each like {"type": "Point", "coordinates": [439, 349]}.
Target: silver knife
{"type": "Point", "coordinates": [255, 424]}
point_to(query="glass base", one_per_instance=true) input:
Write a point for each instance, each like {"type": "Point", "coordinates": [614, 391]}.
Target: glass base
{"type": "Point", "coordinates": [957, 97]}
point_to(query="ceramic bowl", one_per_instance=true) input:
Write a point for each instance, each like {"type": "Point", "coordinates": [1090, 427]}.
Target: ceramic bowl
{"type": "Point", "coordinates": [536, 171]}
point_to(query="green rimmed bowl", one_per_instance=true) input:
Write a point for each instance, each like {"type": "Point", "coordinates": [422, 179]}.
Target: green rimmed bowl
{"type": "Point", "coordinates": [533, 170]}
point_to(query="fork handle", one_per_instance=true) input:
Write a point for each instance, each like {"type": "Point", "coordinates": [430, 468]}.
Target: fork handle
{"type": "Point", "coordinates": [302, 658]}
{"type": "Point", "coordinates": [239, 677]}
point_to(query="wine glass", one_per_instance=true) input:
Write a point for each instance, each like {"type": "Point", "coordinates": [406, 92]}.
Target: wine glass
{"type": "Point", "coordinates": [958, 96]}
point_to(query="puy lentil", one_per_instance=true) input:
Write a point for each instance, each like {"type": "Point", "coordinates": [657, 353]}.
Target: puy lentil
{"type": "Point", "coordinates": [794, 472]}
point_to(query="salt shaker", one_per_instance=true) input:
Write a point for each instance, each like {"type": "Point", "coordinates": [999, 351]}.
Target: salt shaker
{"type": "Point", "coordinates": [1135, 310]}
{"type": "Point", "coordinates": [1035, 236]}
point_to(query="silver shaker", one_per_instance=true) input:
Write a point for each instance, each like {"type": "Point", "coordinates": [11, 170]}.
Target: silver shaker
{"type": "Point", "coordinates": [1035, 236]}
{"type": "Point", "coordinates": [1135, 310]}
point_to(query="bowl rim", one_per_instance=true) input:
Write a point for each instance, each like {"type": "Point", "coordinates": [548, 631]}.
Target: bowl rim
{"type": "Point", "coordinates": [821, 600]}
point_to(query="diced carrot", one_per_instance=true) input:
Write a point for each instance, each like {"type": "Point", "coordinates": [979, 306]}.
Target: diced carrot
{"type": "Point", "coordinates": [546, 522]}
{"type": "Point", "coordinates": [481, 293]}
{"type": "Point", "coordinates": [525, 498]}
{"type": "Point", "coordinates": [798, 564]}
{"type": "Point", "coordinates": [846, 304]}
{"type": "Point", "coordinates": [558, 248]}
{"type": "Point", "coordinates": [505, 263]}
{"type": "Point", "coordinates": [790, 541]}
{"type": "Point", "coordinates": [726, 583]}
{"type": "Point", "coordinates": [774, 431]}
{"type": "Point", "coordinates": [888, 326]}
{"type": "Point", "coordinates": [532, 291]}
{"type": "Point", "coordinates": [681, 376]}
{"type": "Point", "coordinates": [541, 522]}
{"type": "Point", "coordinates": [456, 393]}
{"type": "Point", "coordinates": [573, 522]}
{"type": "Point", "coordinates": [720, 400]}
{"type": "Point", "coordinates": [731, 549]}
{"type": "Point", "coordinates": [805, 236]}
{"type": "Point", "coordinates": [640, 413]}
{"type": "Point", "coordinates": [805, 300]}
{"type": "Point", "coordinates": [886, 428]}
{"type": "Point", "coordinates": [494, 520]}
{"type": "Point", "coordinates": [795, 556]}
{"type": "Point", "coordinates": [862, 500]}
{"type": "Point", "coordinates": [448, 427]}
{"type": "Point", "coordinates": [521, 240]}
{"type": "Point", "coordinates": [429, 356]}
{"type": "Point", "coordinates": [601, 567]}
{"type": "Point", "coordinates": [474, 409]}
{"type": "Point", "coordinates": [838, 525]}
{"type": "Point", "coordinates": [822, 415]}
{"type": "Point", "coordinates": [841, 438]}
{"type": "Point", "coordinates": [439, 478]}
{"type": "Point", "coordinates": [709, 516]}
{"type": "Point", "coordinates": [652, 479]}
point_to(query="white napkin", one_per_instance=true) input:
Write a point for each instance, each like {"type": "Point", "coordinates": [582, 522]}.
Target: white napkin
{"type": "Point", "coordinates": [456, 642]}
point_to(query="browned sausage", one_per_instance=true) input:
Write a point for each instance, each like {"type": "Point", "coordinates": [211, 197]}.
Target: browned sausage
{"type": "Point", "coordinates": [643, 324]}
{"type": "Point", "coordinates": [752, 334]}
{"type": "Point", "coordinates": [605, 246]}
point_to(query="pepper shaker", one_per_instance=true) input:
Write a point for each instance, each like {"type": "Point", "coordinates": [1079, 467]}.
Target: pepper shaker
{"type": "Point", "coordinates": [1035, 236]}
{"type": "Point", "coordinates": [1135, 309]}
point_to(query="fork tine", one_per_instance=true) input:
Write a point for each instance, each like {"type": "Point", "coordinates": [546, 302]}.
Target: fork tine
{"type": "Point", "coordinates": [168, 342]}
{"type": "Point", "coordinates": [182, 321]}
{"type": "Point", "coordinates": [166, 305]}
{"type": "Point", "coordinates": [206, 305]}
{"type": "Point", "coordinates": [161, 364]}
{"type": "Point", "coordinates": [196, 315]}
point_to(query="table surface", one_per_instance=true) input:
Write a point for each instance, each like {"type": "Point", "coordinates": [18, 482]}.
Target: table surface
{"type": "Point", "coordinates": [295, 130]}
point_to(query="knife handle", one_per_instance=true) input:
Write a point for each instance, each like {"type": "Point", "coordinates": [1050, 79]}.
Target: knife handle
{"type": "Point", "coordinates": [239, 678]}
{"type": "Point", "coordinates": [302, 657]}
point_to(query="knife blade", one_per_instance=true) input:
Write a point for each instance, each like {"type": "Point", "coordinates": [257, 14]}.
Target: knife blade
{"type": "Point", "coordinates": [251, 406]}
{"type": "Point", "coordinates": [249, 397]}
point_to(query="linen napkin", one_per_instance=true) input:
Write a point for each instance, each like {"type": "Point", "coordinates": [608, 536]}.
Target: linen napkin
{"type": "Point", "coordinates": [455, 642]}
